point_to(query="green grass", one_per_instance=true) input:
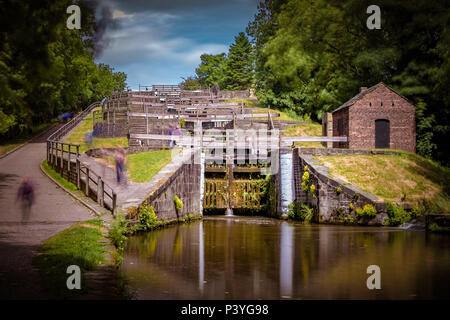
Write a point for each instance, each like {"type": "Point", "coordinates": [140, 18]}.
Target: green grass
{"type": "Point", "coordinates": [78, 245]}
{"type": "Point", "coordinates": [5, 147]}
{"type": "Point", "coordinates": [77, 137]}
{"type": "Point", "coordinates": [55, 175]}
{"type": "Point", "coordinates": [306, 129]}
{"type": "Point", "coordinates": [391, 177]}
{"type": "Point", "coordinates": [143, 166]}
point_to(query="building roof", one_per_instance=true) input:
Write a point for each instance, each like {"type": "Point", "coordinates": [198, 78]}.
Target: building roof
{"type": "Point", "coordinates": [360, 95]}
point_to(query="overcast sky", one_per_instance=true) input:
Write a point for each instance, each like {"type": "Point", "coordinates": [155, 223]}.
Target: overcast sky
{"type": "Point", "coordinates": [158, 42]}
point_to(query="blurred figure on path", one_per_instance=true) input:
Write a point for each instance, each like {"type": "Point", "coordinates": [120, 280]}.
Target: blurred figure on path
{"type": "Point", "coordinates": [88, 138]}
{"type": "Point", "coordinates": [25, 194]}
{"type": "Point", "coordinates": [170, 133]}
{"type": "Point", "coordinates": [120, 158]}
{"type": "Point", "coordinates": [177, 132]}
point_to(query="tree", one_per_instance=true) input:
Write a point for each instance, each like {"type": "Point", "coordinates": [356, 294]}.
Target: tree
{"type": "Point", "coordinates": [211, 69]}
{"type": "Point", "coordinates": [45, 68]}
{"type": "Point", "coordinates": [238, 74]}
{"type": "Point", "coordinates": [312, 56]}
{"type": "Point", "coordinates": [190, 83]}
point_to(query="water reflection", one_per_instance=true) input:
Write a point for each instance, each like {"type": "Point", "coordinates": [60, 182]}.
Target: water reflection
{"type": "Point", "coordinates": [259, 258]}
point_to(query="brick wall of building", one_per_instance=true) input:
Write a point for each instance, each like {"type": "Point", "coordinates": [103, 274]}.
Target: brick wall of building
{"type": "Point", "coordinates": [381, 103]}
{"type": "Point", "coordinates": [341, 115]}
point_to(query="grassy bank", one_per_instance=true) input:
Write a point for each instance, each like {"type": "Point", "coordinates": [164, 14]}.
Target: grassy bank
{"type": "Point", "coordinates": [78, 245]}
{"type": "Point", "coordinates": [55, 175]}
{"type": "Point", "coordinates": [404, 177]}
{"type": "Point", "coordinates": [143, 166]}
{"type": "Point", "coordinates": [77, 137]}
{"type": "Point", "coordinates": [7, 146]}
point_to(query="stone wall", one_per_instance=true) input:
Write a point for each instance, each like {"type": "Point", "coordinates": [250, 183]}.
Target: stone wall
{"type": "Point", "coordinates": [438, 222]}
{"type": "Point", "coordinates": [181, 177]}
{"type": "Point", "coordinates": [332, 206]}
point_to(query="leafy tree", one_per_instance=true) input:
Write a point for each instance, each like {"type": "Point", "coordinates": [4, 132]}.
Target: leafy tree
{"type": "Point", "coordinates": [311, 56]}
{"type": "Point", "coordinates": [45, 68]}
{"type": "Point", "coordinates": [191, 83]}
{"type": "Point", "coordinates": [211, 69]}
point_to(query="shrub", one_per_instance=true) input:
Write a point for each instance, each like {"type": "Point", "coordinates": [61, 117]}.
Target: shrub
{"type": "Point", "coordinates": [397, 215]}
{"type": "Point", "coordinates": [178, 203]}
{"type": "Point", "coordinates": [338, 190]}
{"type": "Point", "coordinates": [182, 123]}
{"type": "Point", "coordinates": [367, 211]}
{"type": "Point", "coordinates": [349, 219]}
{"type": "Point", "coordinates": [117, 233]}
{"type": "Point", "coordinates": [305, 181]}
{"type": "Point", "coordinates": [417, 211]}
{"type": "Point", "coordinates": [147, 217]}
{"type": "Point", "coordinates": [351, 206]}
{"type": "Point", "coordinates": [300, 212]}
{"type": "Point", "coordinates": [312, 188]}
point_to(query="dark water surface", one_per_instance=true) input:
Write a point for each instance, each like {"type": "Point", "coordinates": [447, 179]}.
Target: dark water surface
{"type": "Point", "coordinates": [261, 258]}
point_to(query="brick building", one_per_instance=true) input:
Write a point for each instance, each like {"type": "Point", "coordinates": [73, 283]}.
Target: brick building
{"type": "Point", "coordinates": [377, 117]}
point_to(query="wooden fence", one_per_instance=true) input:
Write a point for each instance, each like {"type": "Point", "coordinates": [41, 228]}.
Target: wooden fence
{"type": "Point", "coordinates": [64, 158]}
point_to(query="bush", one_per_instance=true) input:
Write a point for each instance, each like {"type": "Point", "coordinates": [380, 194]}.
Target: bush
{"type": "Point", "coordinates": [417, 211]}
{"type": "Point", "coordinates": [182, 123]}
{"type": "Point", "coordinates": [147, 217]}
{"type": "Point", "coordinates": [300, 212]}
{"type": "Point", "coordinates": [312, 188]}
{"type": "Point", "coordinates": [117, 234]}
{"type": "Point", "coordinates": [338, 190]}
{"type": "Point", "coordinates": [349, 219]}
{"type": "Point", "coordinates": [367, 211]}
{"type": "Point", "coordinates": [397, 215]}
{"type": "Point", "coordinates": [178, 203]}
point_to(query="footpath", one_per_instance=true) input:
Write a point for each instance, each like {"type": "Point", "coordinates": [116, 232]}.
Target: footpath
{"type": "Point", "coordinates": [53, 211]}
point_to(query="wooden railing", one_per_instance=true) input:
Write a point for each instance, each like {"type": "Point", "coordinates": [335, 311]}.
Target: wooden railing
{"type": "Point", "coordinates": [65, 159]}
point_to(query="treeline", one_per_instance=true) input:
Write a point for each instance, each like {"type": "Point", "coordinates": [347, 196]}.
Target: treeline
{"type": "Point", "coordinates": [232, 71]}
{"type": "Point", "coordinates": [312, 56]}
{"type": "Point", "coordinates": [45, 68]}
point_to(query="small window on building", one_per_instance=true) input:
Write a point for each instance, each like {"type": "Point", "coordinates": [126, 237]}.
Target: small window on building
{"type": "Point", "coordinates": [370, 104]}
{"type": "Point", "coordinates": [381, 103]}
{"type": "Point", "coordinates": [392, 103]}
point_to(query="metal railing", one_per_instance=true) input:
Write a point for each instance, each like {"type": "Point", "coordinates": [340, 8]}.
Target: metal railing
{"type": "Point", "coordinates": [65, 159]}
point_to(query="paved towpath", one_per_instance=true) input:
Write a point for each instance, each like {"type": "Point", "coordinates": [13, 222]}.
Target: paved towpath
{"type": "Point", "coordinates": [53, 211]}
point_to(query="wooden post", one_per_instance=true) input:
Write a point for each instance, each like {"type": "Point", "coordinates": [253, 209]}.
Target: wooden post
{"type": "Point", "coordinates": [48, 150]}
{"type": "Point", "coordinates": [78, 151]}
{"type": "Point", "coordinates": [87, 181]}
{"type": "Point", "coordinates": [68, 158]}
{"type": "Point", "coordinates": [62, 156]}
{"type": "Point", "coordinates": [114, 201]}
{"type": "Point", "coordinates": [100, 191]}
{"type": "Point", "coordinates": [78, 174]}
{"type": "Point", "coordinates": [146, 119]}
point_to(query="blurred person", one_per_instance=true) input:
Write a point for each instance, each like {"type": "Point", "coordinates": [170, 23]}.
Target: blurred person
{"type": "Point", "coordinates": [88, 138]}
{"type": "Point", "coordinates": [177, 132]}
{"type": "Point", "coordinates": [26, 195]}
{"type": "Point", "coordinates": [120, 158]}
{"type": "Point", "coordinates": [170, 133]}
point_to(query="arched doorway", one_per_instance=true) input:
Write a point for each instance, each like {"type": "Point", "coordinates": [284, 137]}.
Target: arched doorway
{"type": "Point", "coordinates": [382, 134]}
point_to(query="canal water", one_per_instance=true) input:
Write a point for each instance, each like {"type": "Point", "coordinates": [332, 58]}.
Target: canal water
{"type": "Point", "coordinates": [261, 258]}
